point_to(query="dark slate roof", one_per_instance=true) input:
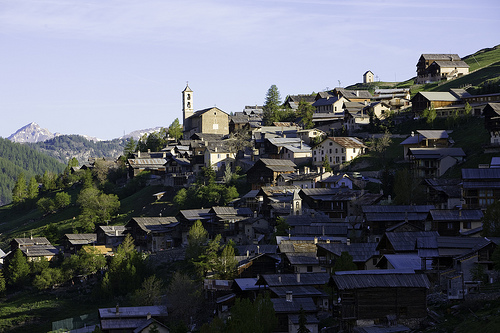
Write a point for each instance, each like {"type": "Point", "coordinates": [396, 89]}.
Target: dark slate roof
{"type": "Point", "coordinates": [353, 94]}
{"type": "Point", "coordinates": [195, 214]}
{"type": "Point", "coordinates": [458, 63]}
{"type": "Point", "coordinates": [456, 215]}
{"type": "Point", "coordinates": [281, 305]}
{"type": "Point", "coordinates": [306, 279]}
{"type": "Point", "coordinates": [40, 251]}
{"type": "Point", "coordinates": [399, 261]}
{"type": "Point", "coordinates": [155, 224]}
{"type": "Point", "coordinates": [440, 56]}
{"type": "Point", "coordinates": [397, 213]}
{"type": "Point", "coordinates": [360, 252]}
{"type": "Point", "coordinates": [325, 101]}
{"type": "Point", "coordinates": [307, 219]}
{"type": "Point", "coordinates": [32, 241]}
{"type": "Point", "coordinates": [223, 210]}
{"type": "Point", "coordinates": [297, 291]}
{"type": "Point", "coordinates": [436, 153]}
{"type": "Point", "coordinates": [277, 162]}
{"type": "Point", "coordinates": [406, 241]}
{"type": "Point", "coordinates": [450, 187]}
{"type": "Point", "coordinates": [320, 230]}
{"type": "Point", "coordinates": [302, 258]}
{"type": "Point", "coordinates": [113, 230]}
{"type": "Point", "coordinates": [81, 239]}
{"type": "Point", "coordinates": [132, 312]}
{"type": "Point", "coordinates": [481, 174]}
{"type": "Point", "coordinates": [347, 281]}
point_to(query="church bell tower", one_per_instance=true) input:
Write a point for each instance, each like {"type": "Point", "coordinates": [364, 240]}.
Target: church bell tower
{"type": "Point", "coordinates": [187, 103]}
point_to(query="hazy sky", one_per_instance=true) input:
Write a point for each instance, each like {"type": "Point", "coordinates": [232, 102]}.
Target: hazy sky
{"type": "Point", "coordinates": [108, 67]}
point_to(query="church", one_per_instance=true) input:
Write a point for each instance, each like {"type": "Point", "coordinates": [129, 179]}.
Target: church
{"type": "Point", "coordinates": [208, 121]}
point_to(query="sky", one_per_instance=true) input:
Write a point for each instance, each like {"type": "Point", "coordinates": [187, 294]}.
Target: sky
{"type": "Point", "coordinates": [105, 68]}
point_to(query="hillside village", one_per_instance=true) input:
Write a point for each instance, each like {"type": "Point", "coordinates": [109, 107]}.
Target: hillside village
{"type": "Point", "coordinates": [329, 248]}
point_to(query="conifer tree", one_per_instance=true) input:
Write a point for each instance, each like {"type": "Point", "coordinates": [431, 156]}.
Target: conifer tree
{"type": "Point", "coordinates": [19, 192]}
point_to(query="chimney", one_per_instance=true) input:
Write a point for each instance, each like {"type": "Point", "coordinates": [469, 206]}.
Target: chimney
{"type": "Point", "coordinates": [348, 241]}
{"type": "Point", "coordinates": [138, 154]}
{"type": "Point", "coordinates": [164, 154]}
{"type": "Point", "coordinates": [116, 232]}
{"type": "Point", "coordinates": [298, 277]}
{"type": "Point", "coordinates": [149, 150]}
{"type": "Point", "coordinates": [279, 278]}
{"type": "Point", "coordinates": [289, 296]}
{"type": "Point", "coordinates": [117, 308]}
{"type": "Point", "coordinates": [148, 316]}
{"type": "Point", "coordinates": [306, 170]}
{"type": "Point", "coordinates": [248, 253]}
{"type": "Point", "coordinates": [258, 249]}
{"type": "Point", "coordinates": [315, 240]}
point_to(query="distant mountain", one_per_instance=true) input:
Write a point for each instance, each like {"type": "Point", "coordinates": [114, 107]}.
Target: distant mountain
{"type": "Point", "coordinates": [31, 133]}
{"type": "Point", "coordinates": [136, 135]}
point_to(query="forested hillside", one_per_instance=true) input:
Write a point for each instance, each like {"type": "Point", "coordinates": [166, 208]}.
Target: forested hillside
{"type": "Point", "coordinates": [65, 147]}
{"type": "Point", "coordinates": [17, 158]}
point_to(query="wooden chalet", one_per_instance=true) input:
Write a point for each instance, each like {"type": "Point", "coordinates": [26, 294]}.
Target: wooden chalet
{"type": "Point", "coordinates": [403, 242]}
{"type": "Point", "coordinates": [425, 139]}
{"type": "Point", "coordinates": [132, 319]}
{"type": "Point", "coordinates": [111, 236]}
{"type": "Point", "coordinates": [334, 202]}
{"type": "Point", "coordinates": [480, 187]}
{"type": "Point", "coordinates": [287, 310]}
{"type": "Point", "coordinates": [266, 171]}
{"type": "Point", "coordinates": [187, 217]}
{"type": "Point", "coordinates": [378, 294]}
{"type": "Point", "coordinates": [74, 242]}
{"type": "Point", "coordinates": [454, 222]}
{"type": "Point", "coordinates": [443, 193]}
{"type": "Point", "coordinates": [19, 243]}
{"type": "Point", "coordinates": [155, 233]}
{"type": "Point", "coordinates": [226, 221]}
{"type": "Point", "coordinates": [432, 99]}
{"type": "Point", "coordinates": [491, 113]}
{"type": "Point", "coordinates": [379, 218]}
{"type": "Point", "coordinates": [364, 255]}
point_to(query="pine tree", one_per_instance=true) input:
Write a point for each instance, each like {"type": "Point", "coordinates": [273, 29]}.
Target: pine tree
{"type": "Point", "coordinates": [272, 105]}
{"type": "Point", "coordinates": [32, 188]}
{"type": "Point", "coordinates": [17, 269]}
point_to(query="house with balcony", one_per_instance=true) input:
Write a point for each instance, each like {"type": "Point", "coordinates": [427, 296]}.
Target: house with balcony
{"type": "Point", "coordinates": [434, 162]}
{"type": "Point", "coordinates": [480, 187]}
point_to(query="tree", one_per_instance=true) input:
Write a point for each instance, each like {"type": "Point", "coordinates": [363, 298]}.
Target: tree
{"type": "Point", "coordinates": [379, 145]}
{"type": "Point", "coordinates": [208, 259]}
{"type": "Point", "coordinates": [430, 115]}
{"type": "Point", "coordinates": [184, 297]}
{"type": "Point", "coordinates": [302, 322]}
{"type": "Point", "coordinates": [197, 238]}
{"type": "Point", "coordinates": [96, 206]}
{"type": "Point", "coordinates": [48, 181]}
{"type": "Point", "coordinates": [130, 147]}
{"type": "Point", "coordinates": [175, 129]}
{"type": "Point", "coordinates": [62, 200]}
{"type": "Point", "coordinates": [272, 105]}
{"type": "Point", "coordinates": [226, 263]}
{"type": "Point", "coordinates": [306, 111]}
{"type": "Point", "coordinates": [252, 317]}
{"type": "Point", "coordinates": [125, 269]}
{"type": "Point", "coordinates": [344, 263]}
{"type": "Point", "coordinates": [407, 188]}
{"type": "Point", "coordinates": [326, 164]}
{"type": "Point", "coordinates": [150, 292]}
{"type": "Point", "coordinates": [491, 220]}
{"type": "Point", "coordinates": [2, 283]}
{"type": "Point", "coordinates": [17, 269]}
{"type": "Point", "coordinates": [32, 188]}
{"type": "Point", "coordinates": [468, 110]}
{"type": "Point", "coordinates": [282, 228]}
{"type": "Point", "coordinates": [46, 205]}
{"type": "Point", "coordinates": [19, 192]}
{"type": "Point", "coordinates": [48, 278]}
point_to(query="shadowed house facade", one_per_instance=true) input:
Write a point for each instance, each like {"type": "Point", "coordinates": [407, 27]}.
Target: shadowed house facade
{"type": "Point", "coordinates": [369, 296]}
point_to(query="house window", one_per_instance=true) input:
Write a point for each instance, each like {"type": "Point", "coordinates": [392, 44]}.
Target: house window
{"type": "Point", "coordinates": [337, 160]}
{"type": "Point", "coordinates": [353, 150]}
{"type": "Point", "coordinates": [330, 151]}
{"type": "Point", "coordinates": [343, 159]}
{"type": "Point", "coordinates": [342, 150]}
{"type": "Point", "coordinates": [449, 225]}
{"type": "Point", "coordinates": [331, 143]}
{"type": "Point", "coordinates": [466, 225]}
{"type": "Point", "coordinates": [330, 159]}
{"type": "Point", "coordinates": [309, 269]}
{"type": "Point", "coordinates": [336, 150]}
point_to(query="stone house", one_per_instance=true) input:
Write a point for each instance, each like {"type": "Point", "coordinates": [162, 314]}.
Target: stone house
{"type": "Point", "coordinates": [337, 150]}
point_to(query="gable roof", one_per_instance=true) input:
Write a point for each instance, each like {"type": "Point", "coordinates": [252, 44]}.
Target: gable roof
{"type": "Point", "coordinates": [282, 305]}
{"type": "Point", "coordinates": [435, 153]}
{"type": "Point", "coordinates": [306, 279]}
{"type": "Point", "coordinates": [456, 215]}
{"type": "Point", "coordinates": [360, 252]}
{"type": "Point", "coordinates": [155, 224]}
{"type": "Point", "coordinates": [438, 96]}
{"type": "Point", "coordinates": [440, 56]}
{"type": "Point", "coordinates": [406, 241]}
{"type": "Point", "coordinates": [348, 281]}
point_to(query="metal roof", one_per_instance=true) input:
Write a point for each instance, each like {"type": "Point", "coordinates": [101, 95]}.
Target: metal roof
{"type": "Point", "coordinates": [305, 279]}
{"type": "Point", "coordinates": [456, 215]}
{"type": "Point", "coordinates": [136, 311]}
